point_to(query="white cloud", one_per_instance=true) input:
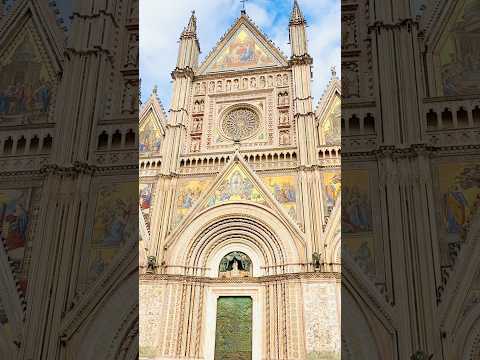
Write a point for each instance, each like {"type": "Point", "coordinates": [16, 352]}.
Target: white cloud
{"type": "Point", "coordinates": [161, 23]}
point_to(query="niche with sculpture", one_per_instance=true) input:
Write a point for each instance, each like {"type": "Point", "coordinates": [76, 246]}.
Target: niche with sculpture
{"type": "Point", "coordinates": [235, 264]}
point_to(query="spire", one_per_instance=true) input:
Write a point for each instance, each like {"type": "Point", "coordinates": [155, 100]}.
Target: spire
{"type": "Point", "coordinates": [297, 16]}
{"type": "Point", "coordinates": [191, 29]}
{"type": "Point", "coordinates": [297, 32]}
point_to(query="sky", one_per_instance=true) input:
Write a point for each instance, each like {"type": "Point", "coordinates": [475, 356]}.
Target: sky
{"type": "Point", "coordinates": [162, 21]}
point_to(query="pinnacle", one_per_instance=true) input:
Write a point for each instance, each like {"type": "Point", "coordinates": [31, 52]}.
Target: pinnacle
{"type": "Point", "coordinates": [296, 16]}
{"type": "Point", "coordinates": [191, 28]}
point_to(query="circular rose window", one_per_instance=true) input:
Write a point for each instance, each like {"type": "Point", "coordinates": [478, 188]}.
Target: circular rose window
{"type": "Point", "coordinates": [240, 123]}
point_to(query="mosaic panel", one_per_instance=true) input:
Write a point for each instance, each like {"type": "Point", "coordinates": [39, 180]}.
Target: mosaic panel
{"type": "Point", "coordinates": [357, 226]}
{"type": "Point", "coordinates": [116, 222]}
{"type": "Point", "coordinates": [150, 138]}
{"type": "Point", "coordinates": [460, 50]}
{"type": "Point", "coordinates": [332, 185]}
{"type": "Point", "coordinates": [243, 51]}
{"type": "Point", "coordinates": [145, 200]}
{"type": "Point", "coordinates": [331, 125]}
{"type": "Point", "coordinates": [188, 192]}
{"type": "Point", "coordinates": [26, 84]}
{"type": "Point", "coordinates": [460, 199]}
{"type": "Point", "coordinates": [15, 220]}
{"type": "Point", "coordinates": [284, 189]}
{"type": "Point", "coordinates": [236, 186]}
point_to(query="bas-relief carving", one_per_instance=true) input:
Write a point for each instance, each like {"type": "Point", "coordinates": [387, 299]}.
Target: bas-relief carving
{"type": "Point", "coordinates": [151, 313]}
{"type": "Point", "coordinates": [460, 199]}
{"type": "Point", "coordinates": [322, 328]}
{"type": "Point", "coordinates": [350, 80]}
{"type": "Point", "coordinates": [26, 84]}
{"type": "Point", "coordinates": [357, 227]}
{"type": "Point", "coordinates": [116, 211]}
{"type": "Point", "coordinates": [459, 52]}
{"type": "Point", "coordinates": [15, 221]}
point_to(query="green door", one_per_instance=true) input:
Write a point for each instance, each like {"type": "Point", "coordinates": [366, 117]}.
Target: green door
{"type": "Point", "coordinates": [233, 337]}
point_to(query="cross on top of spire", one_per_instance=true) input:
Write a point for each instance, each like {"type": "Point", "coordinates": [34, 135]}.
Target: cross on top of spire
{"type": "Point", "coordinates": [191, 28]}
{"type": "Point", "coordinates": [296, 16]}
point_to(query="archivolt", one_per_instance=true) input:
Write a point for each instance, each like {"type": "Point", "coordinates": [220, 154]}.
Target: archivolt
{"type": "Point", "coordinates": [249, 226]}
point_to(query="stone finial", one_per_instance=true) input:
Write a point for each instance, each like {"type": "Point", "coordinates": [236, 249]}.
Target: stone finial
{"type": "Point", "coordinates": [191, 28]}
{"type": "Point", "coordinates": [296, 16]}
{"type": "Point", "coordinates": [155, 90]}
{"type": "Point", "coordinates": [333, 71]}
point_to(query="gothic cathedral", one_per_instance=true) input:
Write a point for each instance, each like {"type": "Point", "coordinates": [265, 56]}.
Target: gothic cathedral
{"type": "Point", "coordinates": [240, 205]}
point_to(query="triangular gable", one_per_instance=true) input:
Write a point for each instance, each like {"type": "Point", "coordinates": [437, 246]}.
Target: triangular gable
{"type": "Point", "coordinates": [331, 92]}
{"type": "Point", "coordinates": [40, 22]}
{"type": "Point", "coordinates": [237, 183]}
{"type": "Point", "coordinates": [151, 126]}
{"type": "Point", "coordinates": [243, 47]}
{"type": "Point", "coordinates": [30, 63]}
{"type": "Point", "coordinates": [154, 107]}
{"type": "Point", "coordinates": [328, 114]}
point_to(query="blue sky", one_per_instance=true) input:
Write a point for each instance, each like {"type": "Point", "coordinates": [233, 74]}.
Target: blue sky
{"type": "Point", "coordinates": [161, 23]}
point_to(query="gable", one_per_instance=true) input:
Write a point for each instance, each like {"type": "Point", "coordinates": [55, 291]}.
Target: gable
{"type": "Point", "coordinates": [150, 133]}
{"type": "Point", "coordinates": [243, 48]}
{"type": "Point", "coordinates": [236, 185]}
{"type": "Point", "coordinates": [330, 125]}
{"type": "Point", "coordinates": [457, 51]}
{"type": "Point", "coordinates": [27, 79]}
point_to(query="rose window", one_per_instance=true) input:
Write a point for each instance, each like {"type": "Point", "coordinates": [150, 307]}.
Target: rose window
{"type": "Point", "coordinates": [240, 124]}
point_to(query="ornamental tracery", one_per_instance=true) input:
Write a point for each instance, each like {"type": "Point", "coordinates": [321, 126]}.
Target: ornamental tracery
{"type": "Point", "coordinates": [240, 123]}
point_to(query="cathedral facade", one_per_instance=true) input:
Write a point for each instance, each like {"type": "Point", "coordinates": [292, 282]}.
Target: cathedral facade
{"type": "Point", "coordinates": [239, 204]}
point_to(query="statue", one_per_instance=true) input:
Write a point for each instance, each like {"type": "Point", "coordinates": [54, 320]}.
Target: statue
{"type": "Point", "coordinates": [316, 260]}
{"type": "Point", "coordinates": [262, 81]}
{"type": "Point", "coordinates": [279, 80]}
{"type": "Point", "coordinates": [270, 81]}
{"type": "Point", "coordinates": [234, 264]}
{"type": "Point", "coordinates": [151, 264]}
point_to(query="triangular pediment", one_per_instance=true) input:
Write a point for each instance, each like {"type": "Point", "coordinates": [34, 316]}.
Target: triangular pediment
{"type": "Point", "coordinates": [328, 114]}
{"type": "Point", "coordinates": [244, 47]}
{"type": "Point", "coordinates": [237, 183]}
{"type": "Point", "coordinates": [151, 126]}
